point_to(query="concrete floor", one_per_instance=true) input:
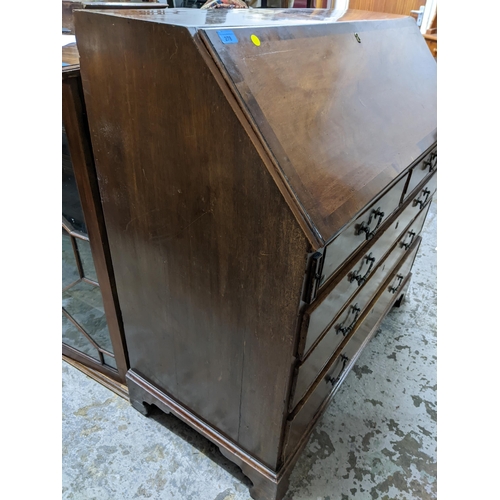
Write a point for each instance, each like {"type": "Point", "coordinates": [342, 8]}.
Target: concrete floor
{"type": "Point", "coordinates": [377, 439]}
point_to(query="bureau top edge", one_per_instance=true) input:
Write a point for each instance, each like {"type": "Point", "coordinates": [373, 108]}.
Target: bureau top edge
{"type": "Point", "coordinates": [234, 18]}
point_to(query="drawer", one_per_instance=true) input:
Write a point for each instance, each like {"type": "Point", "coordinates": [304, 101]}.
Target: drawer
{"type": "Point", "coordinates": [425, 193]}
{"type": "Point", "coordinates": [361, 230]}
{"type": "Point", "coordinates": [331, 378]}
{"type": "Point", "coordinates": [426, 166]}
{"type": "Point", "coordinates": [322, 312]}
{"type": "Point", "coordinates": [346, 321]}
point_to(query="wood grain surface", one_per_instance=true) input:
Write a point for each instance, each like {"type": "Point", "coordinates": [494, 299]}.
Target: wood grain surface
{"type": "Point", "coordinates": [222, 167]}
{"type": "Point", "coordinates": [343, 119]}
{"type": "Point", "coordinates": [208, 257]}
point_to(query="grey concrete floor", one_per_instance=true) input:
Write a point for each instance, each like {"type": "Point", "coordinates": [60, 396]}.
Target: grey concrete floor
{"type": "Point", "coordinates": [377, 440]}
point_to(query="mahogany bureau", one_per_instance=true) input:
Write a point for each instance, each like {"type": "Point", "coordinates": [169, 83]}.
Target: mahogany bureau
{"type": "Point", "coordinates": [264, 176]}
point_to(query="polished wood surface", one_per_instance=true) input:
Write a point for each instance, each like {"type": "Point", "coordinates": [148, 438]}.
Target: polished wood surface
{"type": "Point", "coordinates": [321, 314]}
{"type": "Point", "coordinates": [352, 150]}
{"type": "Point", "coordinates": [336, 251]}
{"type": "Point", "coordinates": [345, 175]}
{"type": "Point", "coordinates": [215, 231]}
{"type": "Point", "coordinates": [374, 219]}
{"type": "Point", "coordinates": [346, 315]}
{"type": "Point", "coordinates": [302, 424]}
{"type": "Point", "coordinates": [209, 249]}
{"type": "Point", "coordinates": [267, 483]}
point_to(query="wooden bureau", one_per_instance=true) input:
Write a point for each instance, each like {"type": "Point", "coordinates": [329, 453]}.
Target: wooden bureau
{"type": "Point", "coordinates": [265, 176]}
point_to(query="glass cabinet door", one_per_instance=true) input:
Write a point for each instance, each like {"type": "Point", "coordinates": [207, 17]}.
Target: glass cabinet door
{"type": "Point", "coordinates": [91, 325]}
{"type": "Point", "coordinates": [84, 325]}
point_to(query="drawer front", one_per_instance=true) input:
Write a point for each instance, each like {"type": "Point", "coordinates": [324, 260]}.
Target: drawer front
{"type": "Point", "coordinates": [322, 313]}
{"type": "Point", "coordinates": [426, 193]}
{"type": "Point", "coordinates": [408, 236]}
{"type": "Point", "coordinates": [361, 230]}
{"type": "Point", "coordinates": [425, 167]}
{"type": "Point", "coordinates": [332, 379]}
{"type": "Point", "coordinates": [344, 323]}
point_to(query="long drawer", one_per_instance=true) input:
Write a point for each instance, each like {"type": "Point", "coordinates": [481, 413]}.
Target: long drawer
{"type": "Point", "coordinates": [323, 311]}
{"type": "Point", "coordinates": [361, 230]}
{"type": "Point", "coordinates": [346, 321]}
{"type": "Point", "coordinates": [333, 376]}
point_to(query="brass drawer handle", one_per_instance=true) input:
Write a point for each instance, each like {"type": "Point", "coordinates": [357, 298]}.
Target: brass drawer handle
{"type": "Point", "coordinates": [344, 330]}
{"type": "Point", "coordinates": [332, 380]}
{"type": "Point", "coordinates": [393, 289]}
{"type": "Point", "coordinates": [431, 162]}
{"type": "Point", "coordinates": [407, 245]}
{"type": "Point", "coordinates": [361, 279]}
{"type": "Point", "coordinates": [365, 226]}
{"type": "Point", "coordinates": [426, 192]}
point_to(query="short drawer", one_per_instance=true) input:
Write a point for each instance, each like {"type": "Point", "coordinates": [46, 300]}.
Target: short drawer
{"type": "Point", "coordinates": [333, 376]}
{"type": "Point", "coordinates": [419, 172]}
{"type": "Point", "coordinates": [322, 312]}
{"type": "Point", "coordinates": [346, 321]}
{"type": "Point", "coordinates": [361, 230]}
{"type": "Point", "coordinates": [421, 197]}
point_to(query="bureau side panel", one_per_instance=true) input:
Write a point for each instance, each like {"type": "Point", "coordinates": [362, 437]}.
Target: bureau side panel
{"type": "Point", "coordinates": [209, 261]}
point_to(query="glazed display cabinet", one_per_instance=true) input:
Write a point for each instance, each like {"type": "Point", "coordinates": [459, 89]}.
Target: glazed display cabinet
{"type": "Point", "coordinates": [91, 323]}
